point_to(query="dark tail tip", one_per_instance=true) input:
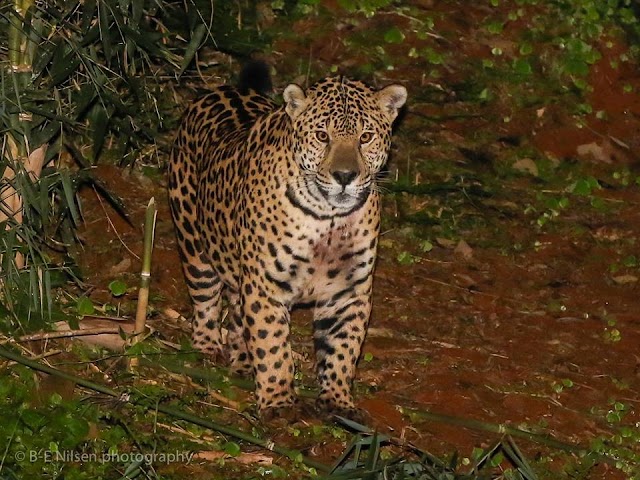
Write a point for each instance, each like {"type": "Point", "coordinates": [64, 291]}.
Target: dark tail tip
{"type": "Point", "coordinates": [255, 75]}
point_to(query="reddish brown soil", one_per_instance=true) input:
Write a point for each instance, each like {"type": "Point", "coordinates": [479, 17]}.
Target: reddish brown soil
{"type": "Point", "coordinates": [486, 335]}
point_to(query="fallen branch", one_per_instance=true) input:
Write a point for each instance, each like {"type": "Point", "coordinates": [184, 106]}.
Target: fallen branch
{"type": "Point", "coordinates": [69, 333]}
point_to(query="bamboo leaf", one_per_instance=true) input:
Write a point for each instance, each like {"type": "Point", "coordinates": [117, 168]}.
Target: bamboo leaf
{"type": "Point", "coordinates": [63, 68]}
{"type": "Point", "coordinates": [374, 452]}
{"type": "Point", "coordinates": [45, 135]}
{"type": "Point", "coordinates": [194, 44]}
{"type": "Point", "coordinates": [99, 123]}
{"type": "Point", "coordinates": [137, 10]}
{"type": "Point", "coordinates": [84, 99]}
{"type": "Point", "coordinates": [105, 16]}
{"type": "Point", "coordinates": [69, 196]}
{"type": "Point", "coordinates": [148, 41]}
{"type": "Point", "coordinates": [88, 15]}
{"type": "Point", "coordinates": [43, 58]}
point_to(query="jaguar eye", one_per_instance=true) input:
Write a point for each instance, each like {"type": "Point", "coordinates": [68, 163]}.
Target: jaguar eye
{"type": "Point", "coordinates": [366, 137]}
{"type": "Point", "coordinates": [322, 136]}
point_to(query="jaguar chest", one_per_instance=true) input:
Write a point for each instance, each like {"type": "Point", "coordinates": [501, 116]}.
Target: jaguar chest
{"type": "Point", "coordinates": [334, 257]}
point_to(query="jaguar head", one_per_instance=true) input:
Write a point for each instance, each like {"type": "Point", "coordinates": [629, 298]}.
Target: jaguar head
{"type": "Point", "coordinates": [341, 139]}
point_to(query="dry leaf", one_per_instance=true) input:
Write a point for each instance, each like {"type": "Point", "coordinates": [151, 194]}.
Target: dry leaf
{"type": "Point", "coordinates": [526, 165]}
{"type": "Point", "coordinates": [380, 332]}
{"type": "Point", "coordinates": [625, 279]}
{"type": "Point", "coordinates": [595, 151]}
{"type": "Point", "coordinates": [464, 250]}
{"type": "Point", "coordinates": [445, 242]}
{"type": "Point", "coordinates": [120, 267]}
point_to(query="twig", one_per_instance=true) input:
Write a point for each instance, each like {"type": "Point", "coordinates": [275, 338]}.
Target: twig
{"type": "Point", "coordinates": [232, 404]}
{"type": "Point", "coordinates": [69, 333]}
{"type": "Point", "coordinates": [173, 412]}
{"type": "Point", "coordinates": [113, 226]}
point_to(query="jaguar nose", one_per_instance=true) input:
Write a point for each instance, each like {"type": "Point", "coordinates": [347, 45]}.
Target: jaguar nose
{"type": "Point", "coordinates": [344, 177]}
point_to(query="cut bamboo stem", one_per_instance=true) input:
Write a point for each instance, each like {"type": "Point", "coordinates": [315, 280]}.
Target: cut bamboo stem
{"type": "Point", "coordinates": [145, 276]}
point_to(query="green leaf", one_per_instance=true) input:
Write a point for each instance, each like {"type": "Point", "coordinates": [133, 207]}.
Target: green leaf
{"type": "Point", "coordinates": [105, 34]}
{"type": "Point", "coordinates": [84, 306]}
{"type": "Point", "coordinates": [426, 246]}
{"type": "Point", "coordinates": [194, 44]}
{"type": "Point", "coordinates": [99, 123]}
{"type": "Point", "coordinates": [84, 99]}
{"type": "Point", "coordinates": [148, 41]}
{"type": "Point", "coordinates": [394, 35]}
{"type": "Point", "coordinates": [576, 66]}
{"type": "Point", "coordinates": [584, 186]}
{"type": "Point", "coordinates": [526, 49]}
{"type": "Point", "coordinates": [69, 196]}
{"type": "Point", "coordinates": [522, 66]}
{"type": "Point", "coordinates": [231, 448]}
{"type": "Point", "coordinates": [405, 258]}
{"type": "Point", "coordinates": [88, 15]}
{"type": "Point", "coordinates": [118, 288]}
{"type": "Point", "coordinates": [33, 419]}
{"type": "Point", "coordinates": [495, 27]}
{"type": "Point", "coordinates": [62, 68]}
{"type": "Point", "coordinates": [497, 459]}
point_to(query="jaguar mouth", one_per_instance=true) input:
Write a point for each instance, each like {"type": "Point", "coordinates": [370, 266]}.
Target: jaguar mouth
{"type": "Point", "coordinates": [345, 197]}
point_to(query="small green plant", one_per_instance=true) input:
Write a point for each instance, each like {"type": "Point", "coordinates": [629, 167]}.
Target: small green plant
{"type": "Point", "coordinates": [621, 446]}
{"type": "Point", "coordinates": [368, 7]}
{"type": "Point", "coordinates": [560, 386]}
{"type": "Point", "coordinates": [406, 258]}
{"type": "Point", "coordinates": [554, 206]}
{"type": "Point", "coordinates": [84, 306]}
{"type": "Point", "coordinates": [611, 334]}
{"type": "Point", "coordinates": [117, 288]}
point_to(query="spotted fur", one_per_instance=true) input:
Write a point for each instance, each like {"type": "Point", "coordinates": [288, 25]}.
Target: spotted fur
{"type": "Point", "coordinates": [276, 206]}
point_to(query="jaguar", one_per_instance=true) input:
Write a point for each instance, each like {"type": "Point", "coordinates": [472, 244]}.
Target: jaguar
{"type": "Point", "coordinates": [276, 206]}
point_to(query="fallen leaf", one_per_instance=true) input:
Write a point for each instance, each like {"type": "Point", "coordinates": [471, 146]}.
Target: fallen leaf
{"type": "Point", "coordinates": [445, 242]}
{"type": "Point", "coordinates": [625, 279]}
{"type": "Point", "coordinates": [120, 267]}
{"type": "Point", "coordinates": [380, 332]}
{"type": "Point", "coordinates": [593, 150]}
{"type": "Point", "coordinates": [526, 165]}
{"type": "Point", "coordinates": [463, 249]}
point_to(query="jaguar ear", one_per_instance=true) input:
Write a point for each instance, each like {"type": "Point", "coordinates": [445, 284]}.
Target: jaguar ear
{"type": "Point", "coordinates": [295, 100]}
{"type": "Point", "coordinates": [392, 99]}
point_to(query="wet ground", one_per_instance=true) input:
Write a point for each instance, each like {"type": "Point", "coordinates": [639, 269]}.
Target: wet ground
{"type": "Point", "coordinates": [507, 283]}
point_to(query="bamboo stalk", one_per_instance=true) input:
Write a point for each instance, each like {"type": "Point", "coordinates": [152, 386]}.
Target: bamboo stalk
{"type": "Point", "coordinates": [145, 276]}
{"type": "Point", "coordinates": [212, 373]}
{"type": "Point", "coordinates": [499, 428]}
{"type": "Point", "coordinates": [20, 60]}
{"type": "Point", "coordinates": [173, 412]}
